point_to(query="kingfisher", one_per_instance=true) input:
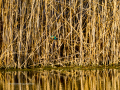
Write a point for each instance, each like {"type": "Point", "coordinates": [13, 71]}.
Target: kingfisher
{"type": "Point", "coordinates": [54, 38]}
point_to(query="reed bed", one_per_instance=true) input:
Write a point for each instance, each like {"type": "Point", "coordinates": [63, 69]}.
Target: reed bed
{"type": "Point", "coordinates": [88, 33]}
{"type": "Point", "coordinates": [61, 80]}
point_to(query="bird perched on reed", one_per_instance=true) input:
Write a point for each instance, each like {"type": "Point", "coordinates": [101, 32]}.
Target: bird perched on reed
{"type": "Point", "coordinates": [53, 37]}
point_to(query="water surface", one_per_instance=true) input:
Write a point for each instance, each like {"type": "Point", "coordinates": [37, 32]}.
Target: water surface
{"type": "Point", "coordinates": [61, 79]}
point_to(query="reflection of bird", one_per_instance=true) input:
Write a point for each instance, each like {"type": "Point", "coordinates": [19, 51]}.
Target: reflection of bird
{"type": "Point", "coordinates": [53, 37]}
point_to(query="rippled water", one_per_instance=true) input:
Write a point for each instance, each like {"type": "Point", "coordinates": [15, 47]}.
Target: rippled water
{"type": "Point", "coordinates": [55, 79]}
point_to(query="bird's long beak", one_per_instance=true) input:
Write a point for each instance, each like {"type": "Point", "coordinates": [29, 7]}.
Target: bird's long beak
{"type": "Point", "coordinates": [51, 37]}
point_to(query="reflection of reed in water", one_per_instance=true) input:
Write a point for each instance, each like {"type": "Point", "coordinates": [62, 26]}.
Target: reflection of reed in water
{"type": "Point", "coordinates": [61, 80]}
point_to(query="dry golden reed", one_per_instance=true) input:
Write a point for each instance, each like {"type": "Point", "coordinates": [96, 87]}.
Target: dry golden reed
{"type": "Point", "coordinates": [87, 32]}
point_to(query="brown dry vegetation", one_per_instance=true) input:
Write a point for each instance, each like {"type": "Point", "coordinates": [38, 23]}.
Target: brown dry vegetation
{"type": "Point", "coordinates": [88, 32]}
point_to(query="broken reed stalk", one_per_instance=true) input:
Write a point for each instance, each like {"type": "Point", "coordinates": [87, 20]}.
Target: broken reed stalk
{"type": "Point", "coordinates": [88, 27]}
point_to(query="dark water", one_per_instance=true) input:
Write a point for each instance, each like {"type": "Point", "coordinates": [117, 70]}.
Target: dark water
{"type": "Point", "coordinates": [61, 79]}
